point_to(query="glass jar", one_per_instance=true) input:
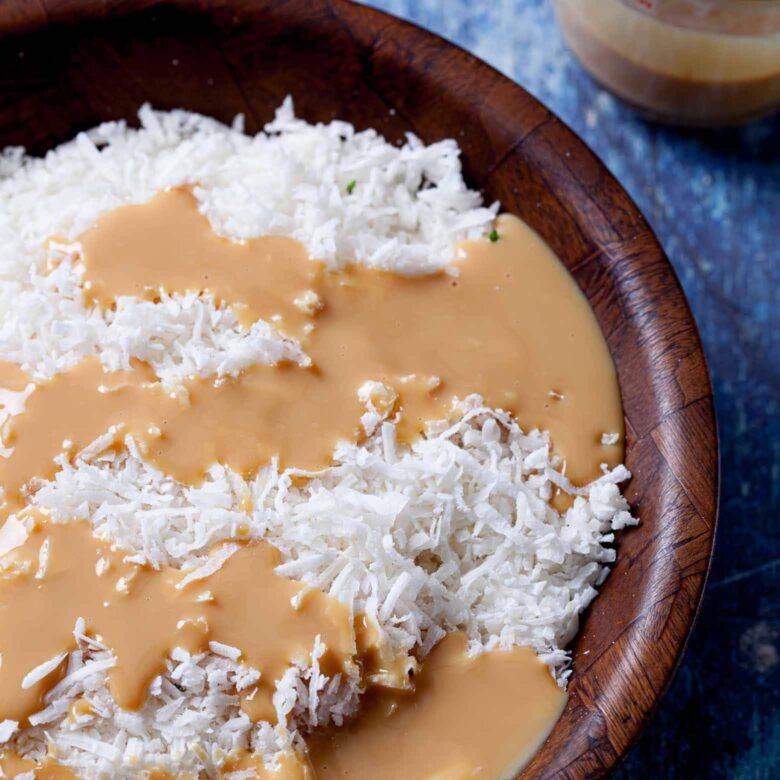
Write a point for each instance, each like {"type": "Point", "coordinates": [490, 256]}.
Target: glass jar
{"type": "Point", "coordinates": [688, 62]}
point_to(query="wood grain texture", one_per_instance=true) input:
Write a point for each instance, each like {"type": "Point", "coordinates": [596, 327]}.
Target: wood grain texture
{"type": "Point", "coordinates": [67, 65]}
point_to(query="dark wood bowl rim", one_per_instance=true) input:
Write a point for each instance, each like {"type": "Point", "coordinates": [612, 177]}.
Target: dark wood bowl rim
{"type": "Point", "coordinates": [633, 637]}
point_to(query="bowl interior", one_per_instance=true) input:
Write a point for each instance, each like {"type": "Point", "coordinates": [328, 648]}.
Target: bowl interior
{"type": "Point", "coordinates": [68, 66]}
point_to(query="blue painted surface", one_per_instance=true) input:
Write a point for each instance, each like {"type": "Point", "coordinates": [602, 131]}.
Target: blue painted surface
{"type": "Point", "coordinates": [713, 198]}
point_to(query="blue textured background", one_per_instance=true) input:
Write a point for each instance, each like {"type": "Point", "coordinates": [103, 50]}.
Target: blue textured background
{"type": "Point", "coordinates": [713, 199]}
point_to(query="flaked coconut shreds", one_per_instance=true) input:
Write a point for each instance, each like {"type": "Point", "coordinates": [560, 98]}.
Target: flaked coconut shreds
{"type": "Point", "coordinates": [407, 209]}
{"type": "Point", "coordinates": [454, 532]}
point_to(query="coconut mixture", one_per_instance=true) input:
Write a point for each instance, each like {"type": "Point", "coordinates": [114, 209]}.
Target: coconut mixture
{"type": "Point", "coordinates": [176, 433]}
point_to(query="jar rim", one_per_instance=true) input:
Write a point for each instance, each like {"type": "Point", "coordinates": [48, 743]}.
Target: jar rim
{"type": "Point", "coordinates": [738, 18]}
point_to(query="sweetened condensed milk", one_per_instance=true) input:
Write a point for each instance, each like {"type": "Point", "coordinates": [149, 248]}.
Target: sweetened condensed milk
{"type": "Point", "coordinates": [505, 321]}
{"type": "Point", "coordinates": [511, 326]}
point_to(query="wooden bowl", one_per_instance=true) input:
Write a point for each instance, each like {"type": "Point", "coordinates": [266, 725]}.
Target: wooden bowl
{"type": "Point", "coordinates": [68, 65]}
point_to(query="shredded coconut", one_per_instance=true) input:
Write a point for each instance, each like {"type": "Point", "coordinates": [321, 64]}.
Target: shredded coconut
{"type": "Point", "coordinates": [13, 534]}
{"type": "Point", "coordinates": [453, 532]}
{"type": "Point", "coordinates": [407, 211]}
{"type": "Point", "coordinates": [7, 729]}
{"type": "Point", "coordinates": [42, 670]}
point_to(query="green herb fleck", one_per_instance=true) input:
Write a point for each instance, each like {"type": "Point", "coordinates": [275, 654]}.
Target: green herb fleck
{"type": "Point", "coordinates": [351, 187]}
{"type": "Point", "coordinates": [493, 235]}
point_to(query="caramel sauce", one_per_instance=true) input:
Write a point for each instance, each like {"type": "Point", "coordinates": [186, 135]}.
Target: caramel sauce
{"type": "Point", "coordinates": [12, 377]}
{"type": "Point", "coordinates": [512, 326]}
{"type": "Point", "coordinates": [70, 411]}
{"type": "Point", "coordinates": [143, 614]}
{"type": "Point", "coordinates": [79, 709]}
{"type": "Point", "coordinates": [508, 323]}
{"type": "Point", "coordinates": [13, 765]}
{"type": "Point", "coordinates": [167, 245]}
{"type": "Point", "coordinates": [379, 665]}
{"type": "Point", "coordinates": [467, 717]}
{"type": "Point", "coordinates": [291, 766]}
